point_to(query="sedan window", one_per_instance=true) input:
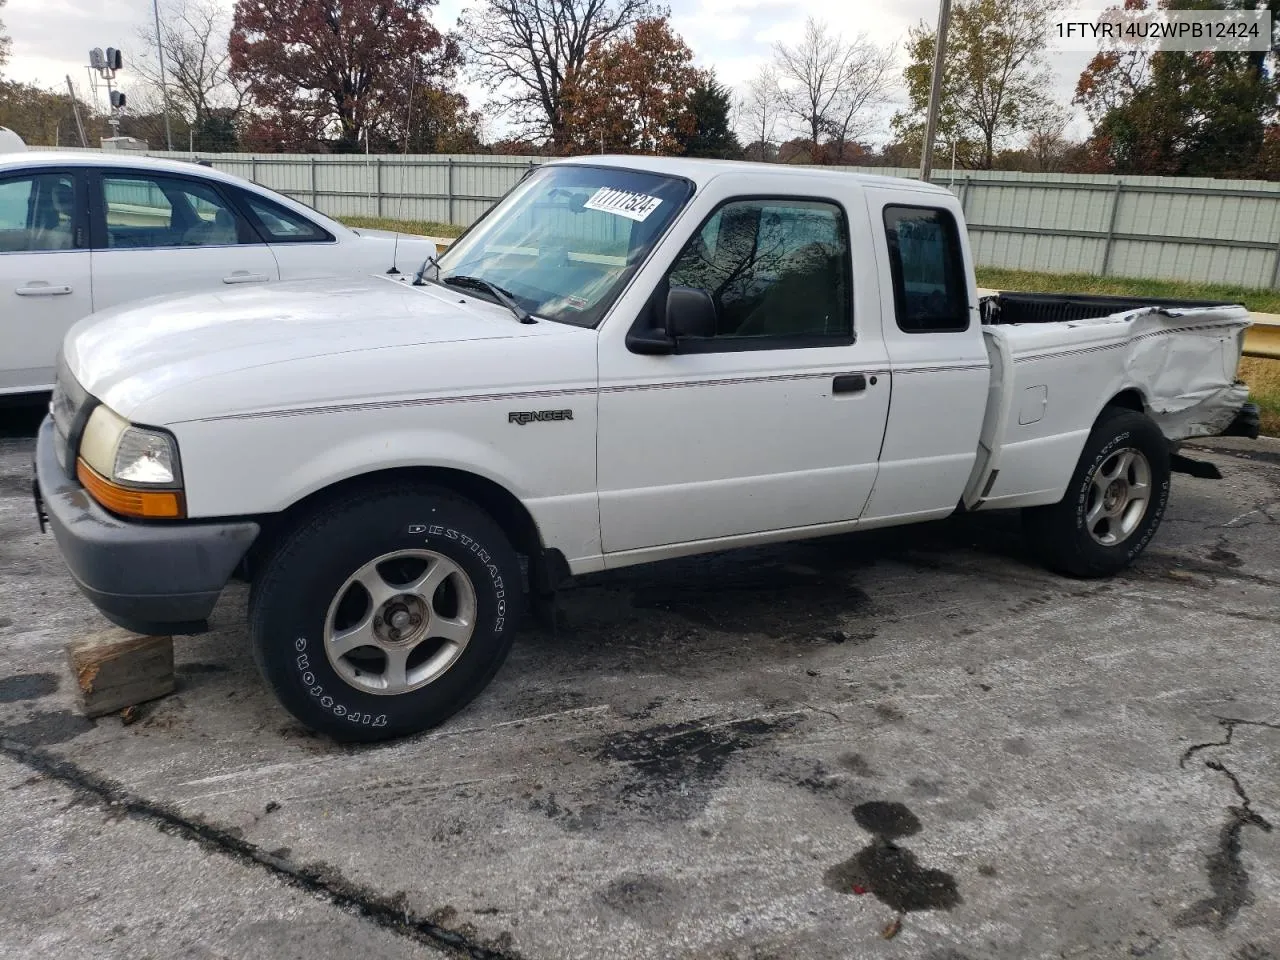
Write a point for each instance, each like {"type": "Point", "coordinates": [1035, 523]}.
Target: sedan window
{"type": "Point", "coordinates": [281, 225]}
{"type": "Point", "coordinates": [37, 212]}
{"type": "Point", "coordinates": [144, 211]}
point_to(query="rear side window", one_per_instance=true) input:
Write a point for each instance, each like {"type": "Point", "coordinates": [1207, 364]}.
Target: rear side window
{"type": "Point", "coordinates": [144, 212]}
{"type": "Point", "coordinates": [37, 212]}
{"type": "Point", "coordinates": [929, 290]}
{"type": "Point", "coordinates": [280, 225]}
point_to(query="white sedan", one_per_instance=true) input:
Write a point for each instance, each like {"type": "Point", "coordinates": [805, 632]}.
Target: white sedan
{"type": "Point", "coordinates": [81, 232]}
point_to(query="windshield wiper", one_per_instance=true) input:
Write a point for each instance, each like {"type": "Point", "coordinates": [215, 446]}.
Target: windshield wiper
{"type": "Point", "coordinates": [419, 278]}
{"type": "Point", "coordinates": [502, 296]}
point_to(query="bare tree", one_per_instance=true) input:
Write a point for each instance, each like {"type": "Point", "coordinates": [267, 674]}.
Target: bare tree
{"type": "Point", "coordinates": [524, 50]}
{"type": "Point", "coordinates": [193, 34]}
{"type": "Point", "coordinates": [1046, 140]}
{"type": "Point", "coordinates": [831, 87]}
{"type": "Point", "coordinates": [759, 109]}
{"type": "Point", "coordinates": [4, 41]}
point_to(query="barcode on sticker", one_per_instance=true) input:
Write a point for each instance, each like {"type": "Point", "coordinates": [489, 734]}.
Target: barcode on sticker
{"type": "Point", "coordinates": [633, 206]}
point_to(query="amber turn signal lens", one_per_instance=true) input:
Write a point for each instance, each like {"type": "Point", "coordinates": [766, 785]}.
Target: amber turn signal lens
{"type": "Point", "coordinates": [145, 504]}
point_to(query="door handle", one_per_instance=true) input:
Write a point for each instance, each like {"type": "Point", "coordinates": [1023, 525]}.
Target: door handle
{"type": "Point", "coordinates": [849, 383]}
{"type": "Point", "coordinates": [38, 288]}
{"type": "Point", "coordinates": [244, 276]}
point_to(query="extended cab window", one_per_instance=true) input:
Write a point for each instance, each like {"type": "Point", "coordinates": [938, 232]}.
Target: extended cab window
{"type": "Point", "coordinates": [145, 211]}
{"type": "Point", "coordinates": [37, 212]}
{"type": "Point", "coordinates": [775, 270]}
{"type": "Point", "coordinates": [929, 290]}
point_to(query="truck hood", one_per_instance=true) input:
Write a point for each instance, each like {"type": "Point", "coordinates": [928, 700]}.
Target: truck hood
{"type": "Point", "coordinates": [129, 355]}
{"type": "Point", "coordinates": [378, 248]}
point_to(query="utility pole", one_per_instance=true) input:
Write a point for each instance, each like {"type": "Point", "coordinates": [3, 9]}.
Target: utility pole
{"type": "Point", "coordinates": [164, 89]}
{"type": "Point", "coordinates": [76, 107]}
{"type": "Point", "coordinates": [935, 90]}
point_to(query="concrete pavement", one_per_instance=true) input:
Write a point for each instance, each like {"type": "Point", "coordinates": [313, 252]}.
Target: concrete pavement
{"type": "Point", "coordinates": [770, 754]}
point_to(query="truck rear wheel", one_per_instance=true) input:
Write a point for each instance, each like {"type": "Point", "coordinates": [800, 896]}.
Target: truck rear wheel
{"type": "Point", "coordinates": [1114, 502]}
{"type": "Point", "coordinates": [385, 613]}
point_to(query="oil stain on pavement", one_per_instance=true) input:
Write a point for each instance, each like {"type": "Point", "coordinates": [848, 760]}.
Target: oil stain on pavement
{"type": "Point", "coordinates": [888, 871]}
{"type": "Point", "coordinates": [663, 772]}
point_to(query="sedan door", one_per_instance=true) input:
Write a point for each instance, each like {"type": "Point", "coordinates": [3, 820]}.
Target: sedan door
{"type": "Point", "coordinates": [162, 233]}
{"type": "Point", "coordinates": [44, 273]}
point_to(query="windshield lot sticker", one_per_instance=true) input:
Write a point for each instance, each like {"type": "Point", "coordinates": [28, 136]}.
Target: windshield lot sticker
{"type": "Point", "coordinates": [633, 206]}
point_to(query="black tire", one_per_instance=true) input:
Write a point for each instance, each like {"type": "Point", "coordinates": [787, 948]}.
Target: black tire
{"type": "Point", "coordinates": [1060, 535]}
{"type": "Point", "coordinates": [291, 598]}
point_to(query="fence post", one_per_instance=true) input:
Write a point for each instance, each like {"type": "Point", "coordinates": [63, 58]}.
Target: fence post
{"type": "Point", "coordinates": [377, 166]}
{"type": "Point", "coordinates": [450, 190]}
{"type": "Point", "coordinates": [1111, 227]}
{"type": "Point", "coordinates": [313, 183]}
{"type": "Point", "coordinates": [1275, 269]}
{"type": "Point", "coordinates": [964, 196]}
{"type": "Point", "coordinates": [253, 169]}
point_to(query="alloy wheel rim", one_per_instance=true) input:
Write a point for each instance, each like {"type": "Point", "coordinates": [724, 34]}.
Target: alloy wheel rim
{"type": "Point", "coordinates": [400, 622]}
{"type": "Point", "coordinates": [1119, 496]}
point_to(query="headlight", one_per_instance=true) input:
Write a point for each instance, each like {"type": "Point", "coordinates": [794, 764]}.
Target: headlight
{"type": "Point", "coordinates": [130, 470]}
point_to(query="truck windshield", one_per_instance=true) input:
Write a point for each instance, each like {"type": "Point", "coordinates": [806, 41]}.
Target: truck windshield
{"type": "Point", "coordinates": [564, 243]}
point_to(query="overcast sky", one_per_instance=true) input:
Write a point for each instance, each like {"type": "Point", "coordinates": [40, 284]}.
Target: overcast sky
{"type": "Point", "coordinates": [51, 38]}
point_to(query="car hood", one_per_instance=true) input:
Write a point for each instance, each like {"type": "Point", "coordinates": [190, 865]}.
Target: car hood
{"type": "Point", "coordinates": [130, 355]}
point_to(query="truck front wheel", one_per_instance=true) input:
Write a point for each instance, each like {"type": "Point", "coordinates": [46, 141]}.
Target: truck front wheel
{"type": "Point", "coordinates": [1114, 502]}
{"type": "Point", "coordinates": [386, 612]}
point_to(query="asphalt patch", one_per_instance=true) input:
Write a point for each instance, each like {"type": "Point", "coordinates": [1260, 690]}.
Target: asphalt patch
{"type": "Point", "coordinates": [27, 686]}
{"type": "Point", "coordinates": [43, 729]}
{"type": "Point", "coordinates": [888, 871]}
{"type": "Point", "coordinates": [760, 598]}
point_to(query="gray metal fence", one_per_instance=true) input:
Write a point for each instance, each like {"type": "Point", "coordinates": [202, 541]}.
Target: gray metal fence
{"type": "Point", "coordinates": [1199, 229]}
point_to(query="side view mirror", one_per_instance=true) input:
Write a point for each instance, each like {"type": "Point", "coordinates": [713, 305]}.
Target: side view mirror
{"type": "Point", "coordinates": [690, 312]}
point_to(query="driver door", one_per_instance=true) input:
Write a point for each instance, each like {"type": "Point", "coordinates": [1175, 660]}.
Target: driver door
{"type": "Point", "coordinates": [773, 420]}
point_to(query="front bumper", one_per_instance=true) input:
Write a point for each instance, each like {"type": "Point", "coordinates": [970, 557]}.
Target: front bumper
{"type": "Point", "coordinates": [154, 578]}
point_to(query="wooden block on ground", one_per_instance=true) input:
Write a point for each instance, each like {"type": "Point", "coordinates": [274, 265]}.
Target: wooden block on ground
{"type": "Point", "coordinates": [116, 669]}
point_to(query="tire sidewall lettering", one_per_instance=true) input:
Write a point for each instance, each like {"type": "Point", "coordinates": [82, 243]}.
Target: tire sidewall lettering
{"type": "Point", "coordinates": [1150, 523]}
{"type": "Point", "coordinates": [477, 550]}
{"type": "Point", "coordinates": [304, 663]}
{"type": "Point", "coordinates": [326, 700]}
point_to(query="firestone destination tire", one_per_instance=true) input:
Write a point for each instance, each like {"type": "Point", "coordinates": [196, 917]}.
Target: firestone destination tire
{"type": "Point", "coordinates": [386, 612]}
{"type": "Point", "coordinates": [1114, 502]}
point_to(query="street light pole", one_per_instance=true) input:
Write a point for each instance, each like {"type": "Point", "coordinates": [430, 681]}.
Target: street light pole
{"type": "Point", "coordinates": [935, 89]}
{"type": "Point", "coordinates": [164, 89]}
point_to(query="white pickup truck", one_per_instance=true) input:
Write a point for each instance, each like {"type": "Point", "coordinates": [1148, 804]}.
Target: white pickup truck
{"type": "Point", "coordinates": [627, 359]}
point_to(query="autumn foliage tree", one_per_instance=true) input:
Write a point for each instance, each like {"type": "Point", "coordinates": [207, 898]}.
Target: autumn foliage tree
{"type": "Point", "coordinates": [1183, 113]}
{"type": "Point", "coordinates": [632, 94]}
{"type": "Point", "coordinates": [336, 70]}
{"type": "Point", "coordinates": [525, 51]}
{"type": "Point", "coordinates": [995, 80]}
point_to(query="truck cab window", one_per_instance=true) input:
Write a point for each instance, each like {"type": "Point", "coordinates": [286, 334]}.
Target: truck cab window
{"type": "Point", "coordinates": [929, 290]}
{"type": "Point", "coordinates": [774, 269]}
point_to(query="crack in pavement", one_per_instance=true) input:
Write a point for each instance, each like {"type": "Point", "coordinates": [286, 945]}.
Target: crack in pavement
{"type": "Point", "coordinates": [320, 880]}
{"type": "Point", "coordinates": [1228, 878]}
{"type": "Point", "coordinates": [1230, 723]}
